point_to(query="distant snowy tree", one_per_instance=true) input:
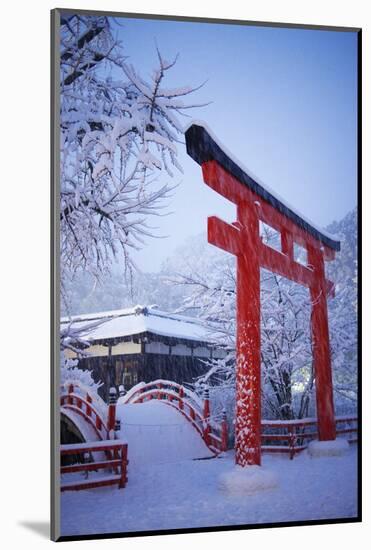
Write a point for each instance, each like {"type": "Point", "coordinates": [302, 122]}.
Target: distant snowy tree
{"type": "Point", "coordinates": [114, 292]}
{"type": "Point", "coordinates": [118, 141]}
{"type": "Point", "coordinates": [285, 347]}
{"type": "Point", "coordinates": [343, 313]}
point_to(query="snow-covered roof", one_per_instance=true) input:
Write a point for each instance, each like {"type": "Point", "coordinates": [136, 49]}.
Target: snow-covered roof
{"type": "Point", "coordinates": [203, 145]}
{"type": "Point", "coordinates": [137, 320]}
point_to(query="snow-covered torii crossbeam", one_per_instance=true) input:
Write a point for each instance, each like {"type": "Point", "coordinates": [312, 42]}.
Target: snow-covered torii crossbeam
{"type": "Point", "coordinates": [242, 238]}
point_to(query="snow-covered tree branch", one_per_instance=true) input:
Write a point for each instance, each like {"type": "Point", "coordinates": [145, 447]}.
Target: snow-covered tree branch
{"type": "Point", "coordinates": [119, 135]}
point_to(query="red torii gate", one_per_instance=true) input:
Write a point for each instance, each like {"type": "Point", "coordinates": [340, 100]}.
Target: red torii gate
{"type": "Point", "coordinates": [242, 239]}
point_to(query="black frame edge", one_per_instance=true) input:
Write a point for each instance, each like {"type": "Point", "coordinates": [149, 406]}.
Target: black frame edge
{"type": "Point", "coordinates": [217, 529]}
{"type": "Point", "coordinates": [54, 277]}
{"type": "Point", "coordinates": [359, 259]}
{"type": "Point", "coordinates": [221, 21]}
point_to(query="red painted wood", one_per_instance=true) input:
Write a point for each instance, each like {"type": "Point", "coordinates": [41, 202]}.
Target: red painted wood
{"type": "Point", "coordinates": [321, 349]}
{"type": "Point", "coordinates": [70, 390]}
{"type": "Point", "coordinates": [91, 448]}
{"type": "Point", "coordinates": [248, 405]}
{"type": "Point", "coordinates": [346, 431]}
{"type": "Point", "coordinates": [111, 416]}
{"type": "Point", "coordinates": [97, 425]}
{"type": "Point", "coordinates": [243, 240]}
{"type": "Point", "coordinates": [206, 410]}
{"type": "Point", "coordinates": [280, 263]}
{"type": "Point", "coordinates": [292, 434]}
{"type": "Point", "coordinates": [229, 187]}
{"type": "Point", "coordinates": [90, 467]}
{"type": "Point", "coordinates": [186, 405]}
{"type": "Point", "coordinates": [124, 462]}
{"type": "Point", "coordinates": [283, 424]}
{"type": "Point", "coordinates": [194, 423]}
{"type": "Point", "coordinates": [91, 484]}
{"type": "Point", "coordinates": [118, 463]}
{"type": "Point", "coordinates": [223, 235]}
{"type": "Point", "coordinates": [274, 437]}
{"type": "Point", "coordinates": [206, 415]}
{"type": "Point", "coordinates": [88, 407]}
{"type": "Point", "coordinates": [287, 244]}
{"type": "Point", "coordinates": [181, 396]}
{"type": "Point", "coordinates": [292, 441]}
{"type": "Point", "coordinates": [224, 445]}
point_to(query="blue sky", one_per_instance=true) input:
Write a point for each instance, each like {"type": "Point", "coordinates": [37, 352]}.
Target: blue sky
{"type": "Point", "coordinates": [284, 101]}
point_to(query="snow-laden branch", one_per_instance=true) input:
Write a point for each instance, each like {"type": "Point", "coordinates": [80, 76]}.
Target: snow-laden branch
{"type": "Point", "coordinates": [119, 136]}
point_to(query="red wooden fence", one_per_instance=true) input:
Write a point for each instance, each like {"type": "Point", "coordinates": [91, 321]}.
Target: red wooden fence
{"type": "Point", "coordinates": [84, 407]}
{"type": "Point", "coordinates": [293, 436]}
{"type": "Point", "coordinates": [116, 453]}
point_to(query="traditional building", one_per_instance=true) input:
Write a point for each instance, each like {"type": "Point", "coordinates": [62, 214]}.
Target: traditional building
{"type": "Point", "coordinates": [143, 344]}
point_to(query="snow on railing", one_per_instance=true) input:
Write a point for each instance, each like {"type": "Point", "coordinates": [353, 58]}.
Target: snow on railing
{"type": "Point", "coordinates": [116, 453]}
{"type": "Point", "coordinates": [164, 383]}
{"type": "Point", "coordinates": [83, 390]}
{"type": "Point", "coordinates": [130, 393]}
{"type": "Point", "coordinates": [294, 437]}
{"type": "Point", "coordinates": [83, 405]}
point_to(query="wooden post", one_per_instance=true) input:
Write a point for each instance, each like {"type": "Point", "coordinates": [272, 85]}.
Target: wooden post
{"type": "Point", "coordinates": [206, 414]}
{"type": "Point", "coordinates": [98, 422]}
{"type": "Point", "coordinates": [224, 431]}
{"type": "Point", "coordinates": [206, 410]}
{"type": "Point", "coordinates": [181, 395]}
{"type": "Point", "coordinates": [116, 451]}
{"type": "Point", "coordinates": [321, 349]}
{"type": "Point", "coordinates": [292, 439]}
{"type": "Point", "coordinates": [248, 376]}
{"type": "Point", "coordinates": [123, 478]}
{"type": "Point", "coordinates": [112, 409]}
{"type": "Point", "coordinates": [70, 398]}
{"type": "Point", "coordinates": [88, 408]}
{"type": "Point", "coordinates": [159, 386]}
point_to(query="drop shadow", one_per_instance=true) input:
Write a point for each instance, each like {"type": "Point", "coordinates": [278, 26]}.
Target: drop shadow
{"type": "Point", "coordinates": [41, 528]}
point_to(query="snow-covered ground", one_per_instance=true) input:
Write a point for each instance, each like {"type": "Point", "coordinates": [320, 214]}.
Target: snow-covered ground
{"type": "Point", "coordinates": [158, 434]}
{"type": "Point", "coordinates": [167, 492]}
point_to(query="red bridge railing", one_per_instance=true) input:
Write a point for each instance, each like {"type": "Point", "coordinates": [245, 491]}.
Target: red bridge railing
{"type": "Point", "coordinates": [190, 405]}
{"type": "Point", "coordinates": [293, 436]}
{"type": "Point", "coordinates": [84, 407]}
{"type": "Point", "coordinates": [116, 462]}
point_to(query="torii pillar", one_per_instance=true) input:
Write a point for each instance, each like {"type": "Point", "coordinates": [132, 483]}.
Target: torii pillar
{"type": "Point", "coordinates": [242, 239]}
